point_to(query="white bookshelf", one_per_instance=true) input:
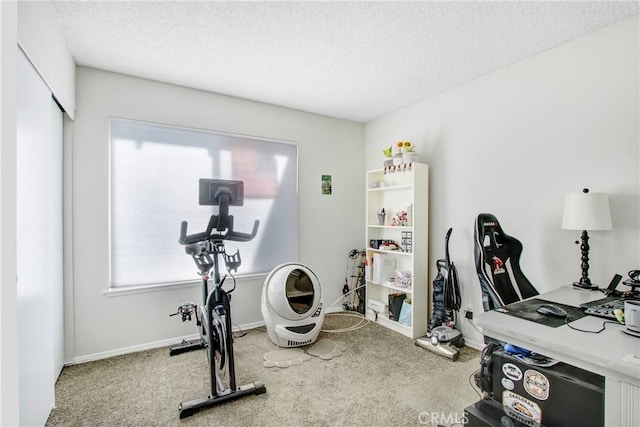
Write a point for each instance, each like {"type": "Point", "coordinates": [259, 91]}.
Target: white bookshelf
{"type": "Point", "coordinates": [407, 189]}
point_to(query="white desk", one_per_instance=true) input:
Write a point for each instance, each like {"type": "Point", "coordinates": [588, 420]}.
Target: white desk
{"type": "Point", "coordinates": [599, 353]}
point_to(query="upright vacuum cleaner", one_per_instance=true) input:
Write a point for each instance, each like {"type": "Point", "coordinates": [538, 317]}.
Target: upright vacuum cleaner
{"type": "Point", "coordinates": [442, 338]}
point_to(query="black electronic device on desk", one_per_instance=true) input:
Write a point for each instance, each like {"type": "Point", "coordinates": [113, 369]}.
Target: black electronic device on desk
{"type": "Point", "coordinates": [634, 282]}
{"type": "Point", "coordinates": [606, 307]}
{"type": "Point", "coordinates": [552, 310]}
{"type": "Point", "coordinates": [611, 289]}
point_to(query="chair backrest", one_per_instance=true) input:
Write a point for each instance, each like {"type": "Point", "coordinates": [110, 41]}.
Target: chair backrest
{"type": "Point", "coordinates": [497, 257]}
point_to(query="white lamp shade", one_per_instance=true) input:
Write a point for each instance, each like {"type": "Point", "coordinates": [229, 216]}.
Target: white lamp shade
{"type": "Point", "coordinates": [586, 211]}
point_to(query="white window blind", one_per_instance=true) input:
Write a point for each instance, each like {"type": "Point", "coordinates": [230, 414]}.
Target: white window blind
{"type": "Point", "coordinates": [154, 187]}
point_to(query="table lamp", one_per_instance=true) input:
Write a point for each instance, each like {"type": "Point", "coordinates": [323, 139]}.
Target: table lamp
{"type": "Point", "coordinates": [586, 211]}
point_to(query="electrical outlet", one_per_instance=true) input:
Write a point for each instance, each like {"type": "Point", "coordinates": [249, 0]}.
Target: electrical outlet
{"type": "Point", "coordinates": [468, 312]}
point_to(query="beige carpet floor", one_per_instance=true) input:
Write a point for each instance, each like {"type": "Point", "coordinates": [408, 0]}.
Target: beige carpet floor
{"type": "Point", "coordinates": [381, 379]}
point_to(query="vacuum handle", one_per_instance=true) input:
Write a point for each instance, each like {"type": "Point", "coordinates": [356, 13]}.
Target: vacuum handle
{"type": "Point", "coordinates": [446, 248]}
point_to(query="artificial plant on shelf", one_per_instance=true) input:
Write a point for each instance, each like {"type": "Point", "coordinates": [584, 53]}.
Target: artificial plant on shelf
{"type": "Point", "coordinates": [407, 151]}
{"type": "Point", "coordinates": [388, 157]}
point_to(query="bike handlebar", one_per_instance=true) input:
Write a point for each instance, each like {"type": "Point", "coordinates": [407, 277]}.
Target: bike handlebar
{"type": "Point", "coordinates": [236, 236]}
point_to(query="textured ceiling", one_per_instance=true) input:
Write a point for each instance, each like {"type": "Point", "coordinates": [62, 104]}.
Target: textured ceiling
{"type": "Point", "coordinates": [351, 60]}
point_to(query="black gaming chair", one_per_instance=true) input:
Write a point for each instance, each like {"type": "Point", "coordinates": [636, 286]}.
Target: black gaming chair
{"type": "Point", "coordinates": [498, 265]}
{"type": "Point", "coordinates": [502, 282]}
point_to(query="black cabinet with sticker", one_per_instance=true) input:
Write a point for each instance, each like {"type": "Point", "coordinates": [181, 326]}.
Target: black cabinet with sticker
{"type": "Point", "coordinates": [558, 395]}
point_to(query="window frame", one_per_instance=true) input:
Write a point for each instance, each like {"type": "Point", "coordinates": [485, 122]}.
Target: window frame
{"type": "Point", "coordinates": [116, 290]}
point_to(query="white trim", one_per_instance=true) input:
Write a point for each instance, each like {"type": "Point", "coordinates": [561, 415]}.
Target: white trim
{"type": "Point", "coordinates": [248, 326]}
{"type": "Point", "coordinates": [142, 289]}
{"type": "Point", "coordinates": [478, 345]}
{"type": "Point", "coordinates": [336, 309]}
{"type": "Point", "coordinates": [163, 343]}
{"type": "Point", "coordinates": [42, 42]}
{"type": "Point", "coordinates": [67, 229]}
{"type": "Point", "coordinates": [204, 130]}
{"type": "Point", "coordinates": [149, 346]}
{"type": "Point", "coordinates": [132, 290]}
{"type": "Point", "coordinates": [127, 350]}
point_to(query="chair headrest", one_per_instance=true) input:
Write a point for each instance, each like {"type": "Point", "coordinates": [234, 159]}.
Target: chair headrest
{"type": "Point", "coordinates": [497, 257]}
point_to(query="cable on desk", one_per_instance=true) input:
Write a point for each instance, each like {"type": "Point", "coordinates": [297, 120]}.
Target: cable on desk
{"type": "Point", "coordinates": [604, 325]}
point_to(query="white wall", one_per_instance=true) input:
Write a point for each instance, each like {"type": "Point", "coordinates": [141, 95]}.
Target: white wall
{"type": "Point", "coordinates": [514, 142]}
{"type": "Point", "coordinates": [329, 225]}
{"type": "Point", "coordinates": [9, 405]}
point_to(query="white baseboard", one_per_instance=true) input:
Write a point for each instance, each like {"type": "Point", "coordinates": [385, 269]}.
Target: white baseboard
{"type": "Point", "coordinates": [171, 341]}
{"type": "Point", "coordinates": [127, 350]}
{"type": "Point", "coordinates": [249, 326]}
{"type": "Point", "coordinates": [147, 346]}
{"type": "Point", "coordinates": [478, 345]}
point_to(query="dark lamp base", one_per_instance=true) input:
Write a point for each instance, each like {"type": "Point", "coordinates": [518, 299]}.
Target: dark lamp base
{"type": "Point", "coordinates": [589, 286]}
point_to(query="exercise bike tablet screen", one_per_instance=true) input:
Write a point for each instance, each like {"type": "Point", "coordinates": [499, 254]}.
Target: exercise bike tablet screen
{"type": "Point", "coordinates": [211, 189]}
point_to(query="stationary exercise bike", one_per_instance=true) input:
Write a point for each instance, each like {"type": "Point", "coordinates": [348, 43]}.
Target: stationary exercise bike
{"type": "Point", "coordinates": [213, 318]}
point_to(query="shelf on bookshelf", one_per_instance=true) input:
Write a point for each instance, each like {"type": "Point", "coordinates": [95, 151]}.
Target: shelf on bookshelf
{"type": "Point", "coordinates": [388, 286]}
{"type": "Point", "coordinates": [392, 188]}
{"type": "Point", "coordinates": [383, 318]}
{"type": "Point", "coordinates": [382, 251]}
{"type": "Point", "coordinates": [392, 227]}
